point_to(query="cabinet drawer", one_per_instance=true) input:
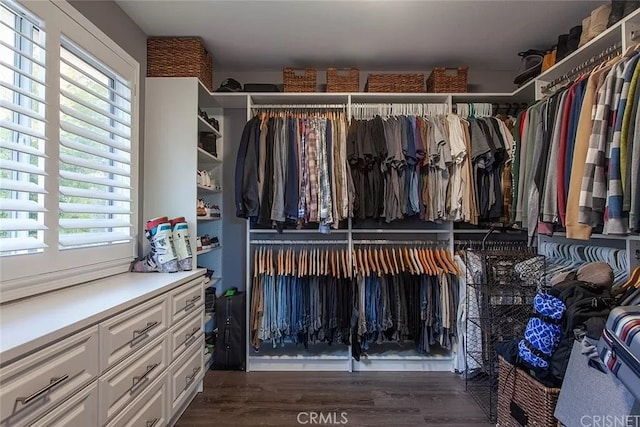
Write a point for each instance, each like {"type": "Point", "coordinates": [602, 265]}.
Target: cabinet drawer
{"type": "Point", "coordinates": [184, 335]}
{"type": "Point", "coordinates": [40, 382]}
{"type": "Point", "coordinates": [131, 330]}
{"type": "Point", "coordinates": [79, 411]}
{"type": "Point", "coordinates": [131, 377]}
{"type": "Point", "coordinates": [147, 410]}
{"type": "Point", "coordinates": [185, 373]}
{"type": "Point", "coordinates": [186, 299]}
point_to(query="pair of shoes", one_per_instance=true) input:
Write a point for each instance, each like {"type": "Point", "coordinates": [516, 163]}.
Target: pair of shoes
{"type": "Point", "coordinates": [214, 211]}
{"type": "Point", "coordinates": [206, 241]}
{"type": "Point", "coordinates": [204, 178]}
{"type": "Point", "coordinates": [212, 121]}
{"type": "Point", "coordinates": [170, 246]}
{"type": "Point", "coordinates": [201, 208]}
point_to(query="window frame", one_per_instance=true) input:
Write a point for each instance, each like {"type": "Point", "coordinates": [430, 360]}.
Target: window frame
{"type": "Point", "coordinates": [53, 268]}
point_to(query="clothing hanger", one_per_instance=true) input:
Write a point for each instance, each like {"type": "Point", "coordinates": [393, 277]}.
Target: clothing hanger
{"type": "Point", "coordinates": [633, 281]}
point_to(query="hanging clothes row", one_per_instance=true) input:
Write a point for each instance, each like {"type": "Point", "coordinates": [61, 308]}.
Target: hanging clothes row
{"type": "Point", "coordinates": [303, 298]}
{"type": "Point", "coordinates": [437, 167]}
{"type": "Point", "coordinates": [578, 159]}
{"type": "Point", "coordinates": [292, 167]}
{"type": "Point", "coordinates": [406, 304]}
{"type": "Point", "coordinates": [306, 296]}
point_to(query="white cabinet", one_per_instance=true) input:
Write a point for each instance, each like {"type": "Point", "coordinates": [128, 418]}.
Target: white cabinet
{"type": "Point", "coordinates": [129, 331]}
{"type": "Point", "coordinates": [40, 382]}
{"type": "Point", "coordinates": [131, 377]}
{"type": "Point", "coordinates": [139, 364]}
{"type": "Point", "coordinates": [79, 411]}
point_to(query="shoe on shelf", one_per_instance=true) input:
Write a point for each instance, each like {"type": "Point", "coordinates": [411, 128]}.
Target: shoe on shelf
{"type": "Point", "coordinates": [206, 242]}
{"type": "Point", "coordinates": [214, 241]}
{"type": "Point", "coordinates": [201, 209]}
{"type": "Point", "coordinates": [198, 243]}
{"type": "Point", "coordinates": [214, 211]}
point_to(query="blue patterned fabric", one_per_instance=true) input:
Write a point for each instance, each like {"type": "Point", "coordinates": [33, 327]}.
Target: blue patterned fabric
{"type": "Point", "coordinates": [542, 336]}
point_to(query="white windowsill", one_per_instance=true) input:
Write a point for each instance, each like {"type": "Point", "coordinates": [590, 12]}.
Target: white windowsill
{"type": "Point", "coordinates": [30, 323]}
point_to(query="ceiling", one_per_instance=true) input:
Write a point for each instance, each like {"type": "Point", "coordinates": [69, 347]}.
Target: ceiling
{"type": "Point", "coordinates": [371, 35]}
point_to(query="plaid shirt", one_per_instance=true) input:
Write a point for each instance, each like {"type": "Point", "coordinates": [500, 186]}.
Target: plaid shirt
{"type": "Point", "coordinates": [311, 145]}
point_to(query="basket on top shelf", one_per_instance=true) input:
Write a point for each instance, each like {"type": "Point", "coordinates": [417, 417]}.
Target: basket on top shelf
{"type": "Point", "coordinates": [395, 83]}
{"type": "Point", "coordinates": [448, 80]}
{"type": "Point", "coordinates": [179, 57]}
{"type": "Point", "coordinates": [343, 80]}
{"type": "Point", "coordinates": [306, 82]}
{"type": "Point", "coordinates": [522, 400]}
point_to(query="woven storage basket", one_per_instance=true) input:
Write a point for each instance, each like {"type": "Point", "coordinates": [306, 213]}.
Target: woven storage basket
{"type": "Point", "coordinates": [517, 389]}
{"type": "Point", "coordinates": [307, 82]}
{"type": "Point", "coordinates": [440, 81]}
{"type": "Point", "coordinates": [179, 57]}
{"type": "Point", "coordinates": [395, 83]}
{"type": "Point", "coordinates": [340, 82]}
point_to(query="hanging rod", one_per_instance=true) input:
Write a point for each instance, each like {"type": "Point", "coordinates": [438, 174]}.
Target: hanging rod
{"type": "Point", "coordinates": [400, 242]}
{"type": "Point", "coordinates": [298, 106]}
{"type": "Point", "coordinates": [594, 61]}
{"type": "Point", "coordinates": [298, 242]}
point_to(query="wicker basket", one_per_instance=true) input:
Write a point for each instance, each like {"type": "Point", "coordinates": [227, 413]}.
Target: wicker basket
{"type": "Point", "coordinates": [440, 81]}
{"type": "Point", "coordinates": [395, 83]}
{"type": "Point", "coordinates": [179, 57]}
{"type": "Point", "coordinates": [340, 82]}
{"type": "Point", "coordinates": [307, 82]}
{"type": "Point", "coordinates": [519, 392]}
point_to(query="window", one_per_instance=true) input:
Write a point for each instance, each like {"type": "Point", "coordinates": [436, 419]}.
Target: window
{"type": "Point", "coordinates": [68, 150]}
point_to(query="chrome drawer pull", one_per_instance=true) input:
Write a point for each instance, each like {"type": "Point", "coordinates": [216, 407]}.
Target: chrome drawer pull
{"type": "Point", "coordinates": [54, 382]}
{"type": "Point", "coordinates": [192, 377]}
{"type": "Point", "coordinates": [152, 422]}
{"type": "Point", "coordinates": [189, 304]}
{"type": "Point", "coordinates": [137, 381]}
{"type": "Point", "coordinates": [190, 337]}
{"type": "Point", "coordinates": [142, 333]}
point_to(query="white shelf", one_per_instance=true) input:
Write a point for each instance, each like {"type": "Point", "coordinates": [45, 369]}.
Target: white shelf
{"type": "Point", "coordinates": [206, 157]}
{"type": "Point", "coordinates": [299, 98]}
{"type": "Point", "coordinates": [206, 218]}
{"type": "Point", "coordinates": [204, 126]}
{"type": "Point", "coordinates": [204, 251]}
{"type": "Point", "coordinates": [209, 189]}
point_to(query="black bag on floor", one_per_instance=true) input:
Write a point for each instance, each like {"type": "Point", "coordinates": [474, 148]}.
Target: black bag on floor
{"type": "Point", "coordinates": [231, 343]}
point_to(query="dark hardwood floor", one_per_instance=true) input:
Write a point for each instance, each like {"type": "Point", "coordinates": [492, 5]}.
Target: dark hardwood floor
{"type": "Point", "coordinates": [398, 399]}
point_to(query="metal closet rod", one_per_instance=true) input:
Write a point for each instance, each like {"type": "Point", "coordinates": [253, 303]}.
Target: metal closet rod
{"type": "Point", "coordinates": [401, 242]}
{"type": "Point", "coordinates": [299, 106]}
{"type": "Point", "coordinates": [298, 242]}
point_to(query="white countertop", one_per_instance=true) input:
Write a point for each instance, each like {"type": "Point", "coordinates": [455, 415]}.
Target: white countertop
{"type": "Point", "coordinates": [28, 324]}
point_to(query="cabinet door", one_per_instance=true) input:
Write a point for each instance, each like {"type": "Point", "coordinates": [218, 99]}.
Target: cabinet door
{"type": "Point", "coordinates": [185, 374]}
{"type": "Point", "coordinates": [185, 335]}
{"type": "Point", "coordinates": [131, 377]}
{"type": "Point", "coordinates": [40, 382]}
{"type": "Point", "coordinates": [79, 411]}
{"type": "Point", "coordinates": [186, 299]}
{"type": "Point", "coordinates": [129, 331]}
{"type": "Point", "coordinates": [147, 410]}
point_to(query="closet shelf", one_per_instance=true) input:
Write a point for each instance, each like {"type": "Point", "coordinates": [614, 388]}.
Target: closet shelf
{"type": "Point", "coordinates": [299, 98]}
{"type": "Point", "coordinates": [206, 218]}
{"type": "Point", "coordinates": [212, 282]}
{"type": "Point", "coordinates": [204, 251]}
{"type": "Point", "coordinates": [593, 236]}
{"type": "Point", "coordinates": [605, 39]}
{"type": "Point", "coordinates": [205, 157]}
{"type": "Point", "coordinates": [204, 126]}
{"type": "Point", "coordinates": [202, 188]}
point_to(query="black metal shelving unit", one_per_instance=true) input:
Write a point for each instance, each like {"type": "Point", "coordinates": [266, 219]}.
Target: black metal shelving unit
{"type": "Point", "coordinates": [499, 305]}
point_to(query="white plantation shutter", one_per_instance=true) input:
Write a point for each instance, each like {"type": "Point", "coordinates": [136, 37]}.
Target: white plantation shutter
{"type": "Point", "coordinates": [95, 152]}
{"type": "Point", "coordinates": [22, 131]}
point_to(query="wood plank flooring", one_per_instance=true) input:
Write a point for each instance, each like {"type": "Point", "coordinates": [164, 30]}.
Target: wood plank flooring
{"type": "Point", "coordinates": [398, 399]}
